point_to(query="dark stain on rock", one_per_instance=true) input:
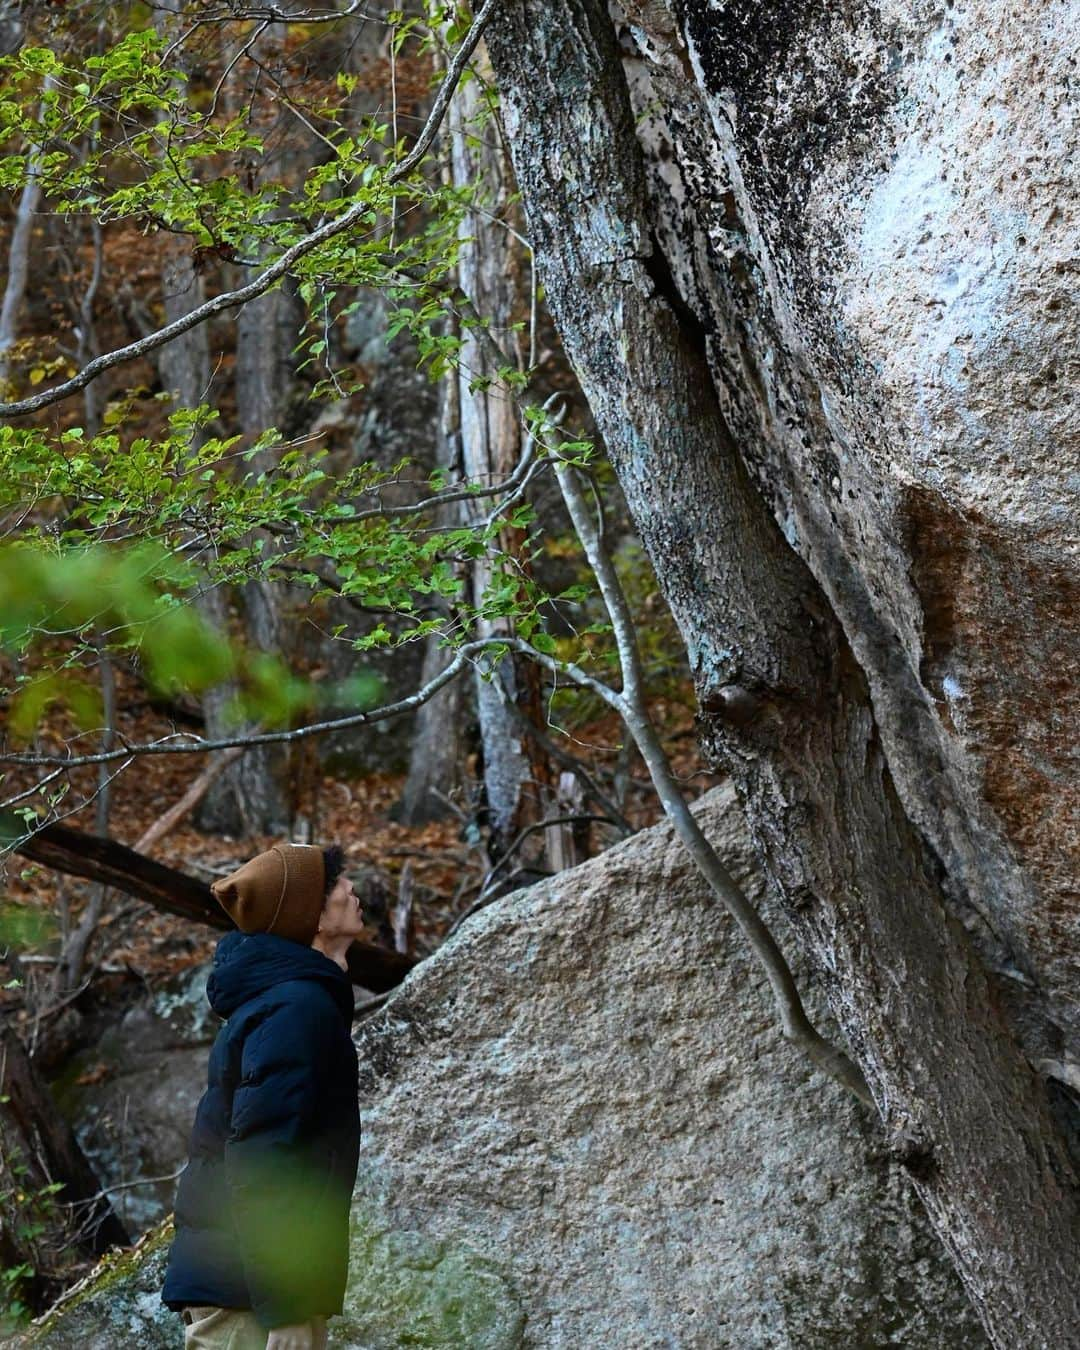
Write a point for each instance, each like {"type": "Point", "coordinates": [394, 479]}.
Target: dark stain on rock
{"type": "Point", "coordinates": [809, 83]}
{"type": "Point", "coordinates": [387, 1042]}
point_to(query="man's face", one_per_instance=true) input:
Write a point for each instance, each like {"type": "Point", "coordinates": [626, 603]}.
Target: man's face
{"type": "Point", "coordinates": [341, 916]}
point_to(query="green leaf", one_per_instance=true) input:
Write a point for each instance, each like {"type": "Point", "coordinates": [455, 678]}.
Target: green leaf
{"type": "Point", "coordinates": [25, 926]}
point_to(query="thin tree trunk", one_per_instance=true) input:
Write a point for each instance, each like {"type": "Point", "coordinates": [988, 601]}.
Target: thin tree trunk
{"type": "Point", "coordinates": [267, 329]}
{"type": "Point", "coordinates": [185, 371]}
{"type": "Point", "coordinates": [88, 347]}
{"type": "Point", "coordinates": [18, 269]}
{"type": "Point", "coordinates": [438, 745]}
{"type": "Point", "coordinates": [248, 797]}
{"type": "Point", "coordinates": [440, 741]}
{"type": "Point", "coordinates": [73, 957]}
{"type": "Point", "coordinates": [517, 775]}
{"type": "Point", "coordinates": [788, 706]}
{"type": "Point", "coordinates": [12, 27]}
{"type": "Point", "coordinates": [184, 364]}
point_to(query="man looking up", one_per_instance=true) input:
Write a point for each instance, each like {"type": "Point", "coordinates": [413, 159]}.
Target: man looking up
{"type": "Point", "coordinates": [260, 1257]}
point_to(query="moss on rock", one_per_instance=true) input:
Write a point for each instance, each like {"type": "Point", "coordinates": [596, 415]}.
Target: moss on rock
{"type": "Point", "coordinates": [117, 1304]}
{"type": "Point", "coordinates": [408, 1290]}
{"type": "Point", "coordinates": [405, 1291]}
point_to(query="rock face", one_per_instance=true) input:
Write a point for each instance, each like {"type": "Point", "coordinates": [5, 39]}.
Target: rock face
{"type": "Point", "coordinates": [581, 1128]}
{"type": "Point", "coordinates": [692, 297]}
{"type": "Point", "coordinates": [587, 1089]}
{"type": "Point", "coordinates": [117, 1305]}
{"type": "Point", "coordinates": [867, 208]}
{"type": "Point", "coordinates": [133, 1109]}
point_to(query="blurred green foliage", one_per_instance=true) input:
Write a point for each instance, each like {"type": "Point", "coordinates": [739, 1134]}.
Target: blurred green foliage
{"type": "Point", "coordinates": [25, 927]}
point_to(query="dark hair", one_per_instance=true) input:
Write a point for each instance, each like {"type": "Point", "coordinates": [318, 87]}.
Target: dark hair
{"type": "Point", "coordinates": [333, 866]}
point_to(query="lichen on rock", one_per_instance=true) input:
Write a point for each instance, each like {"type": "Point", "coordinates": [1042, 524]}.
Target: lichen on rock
{"type": "Point", "coordinates": [407, 1289]}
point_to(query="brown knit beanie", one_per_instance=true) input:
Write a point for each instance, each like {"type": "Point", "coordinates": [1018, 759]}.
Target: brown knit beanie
{"type": "Point", "coordinates": [279, 891]}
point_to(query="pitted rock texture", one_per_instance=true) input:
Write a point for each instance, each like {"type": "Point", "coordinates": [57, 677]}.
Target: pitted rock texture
{"type": "Point", "coordinates": [582, 1128]}
{"type": "Point", "coordinates": [586, 1087]}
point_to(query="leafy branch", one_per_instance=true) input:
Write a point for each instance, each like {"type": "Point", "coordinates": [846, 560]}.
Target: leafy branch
{"type": "Point", "coordinates": [357, 214]}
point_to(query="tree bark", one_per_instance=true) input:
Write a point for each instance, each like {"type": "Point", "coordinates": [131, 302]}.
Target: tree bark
{"type": "Point", "coordinates": [785, 704]}
{"type": "Point", "coordinates": [18, 267]}
{"type": "Point", "coordinates": [184, 364]}
{"type": "Point", "coordinates": [38, 1147]}
{"type": "Point", "coordinates": [439, 744]}
{"type": "Point", "coordinates": [69, 968]}
{"type": "Point", "coordinates": [18, 261]}
{"type": "Point", "coordinates": [517, 775]}
{"type": "Point", "coordinates": [254, 797]}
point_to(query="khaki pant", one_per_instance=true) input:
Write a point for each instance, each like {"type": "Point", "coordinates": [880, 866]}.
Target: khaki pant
{"type": "Point", "coordinates": [234, 1329]}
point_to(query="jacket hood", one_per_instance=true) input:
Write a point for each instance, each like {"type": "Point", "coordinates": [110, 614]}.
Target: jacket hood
{"type": "Point", "coordinates": [247, 964]}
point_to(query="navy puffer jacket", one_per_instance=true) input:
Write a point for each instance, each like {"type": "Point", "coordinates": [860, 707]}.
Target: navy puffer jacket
{"type": "Point", "coordinates": [262, 1210]}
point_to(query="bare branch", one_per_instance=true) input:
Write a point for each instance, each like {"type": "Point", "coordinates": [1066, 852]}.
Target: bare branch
{"type": "Point", "coordinates": [793, 1018]}
{"type": "Point", "coordinates": [120, 1186]}
{"type": "Point", "coordinates": [513, 486]}
{"type": "Point", "coordinates": [72, 957]}
{"type": "Point", "coordinates": [272, 14]}
{"type": "Point", "coordinates": [537, 826]}
{"type": "Point", "coordinates": [196, 745]}
{"type": "Point", "coordinates": [570, 762]}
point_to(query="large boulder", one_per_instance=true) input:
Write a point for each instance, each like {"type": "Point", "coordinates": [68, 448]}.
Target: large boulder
{"type": "Point", "coordinates": [581, 1128]}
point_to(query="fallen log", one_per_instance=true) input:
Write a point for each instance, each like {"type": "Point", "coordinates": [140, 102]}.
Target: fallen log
{"type": "Point", "coordinates": [95, 858]}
